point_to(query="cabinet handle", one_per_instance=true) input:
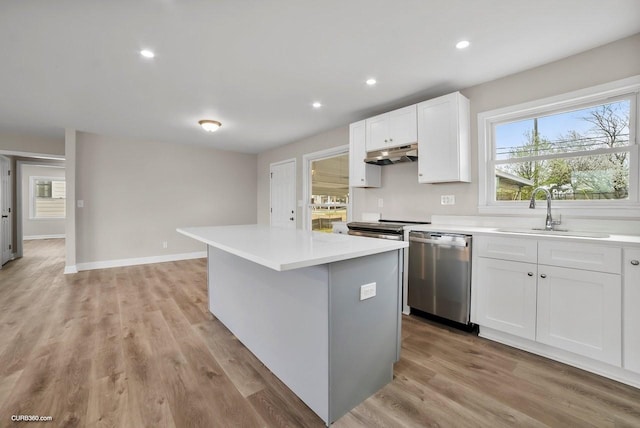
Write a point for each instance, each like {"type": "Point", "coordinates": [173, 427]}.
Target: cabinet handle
{"type": "Point", "coordinates": [543, 276]}
{"type": "Point", "coordinates": [362, 179]}
{"type": "Point", "coordinates": [530, 273]}
{"type": "Point", "coordinates": [390, 139]}
{"type": "Point", "coordinates": [385, 141]}
{"type": "Point", "coordinates": [419, 175]}
{"type": "Point", "coordinates": [635, 262]}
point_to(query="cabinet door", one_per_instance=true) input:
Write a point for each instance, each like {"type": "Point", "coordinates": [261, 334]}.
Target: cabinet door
{"type": "Point", "coordinates": [581, 311]}
{"type": "Point", "coordinates": [377, 135]}
{"type": "Point", "coordinates": [506, 296]}
{"type": "Point", "coordinates": [361, 174]}
{"type": "Point", "coordinates": [403, 127]}
{"type": "Point", "coordinates": [631, 309]}
{"type": "Point", "coordinates": [443, 139]}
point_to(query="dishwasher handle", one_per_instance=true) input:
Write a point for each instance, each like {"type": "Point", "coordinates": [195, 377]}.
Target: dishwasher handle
{"type": "Point", "coordinates": [449, 243]}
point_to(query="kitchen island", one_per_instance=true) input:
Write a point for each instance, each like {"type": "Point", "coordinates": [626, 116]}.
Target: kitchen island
{"type": "Point", "coordinates": [321, 311]}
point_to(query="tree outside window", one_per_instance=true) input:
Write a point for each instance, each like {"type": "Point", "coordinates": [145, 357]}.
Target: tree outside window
{"type": "Point", "coordinates": [577, 155]}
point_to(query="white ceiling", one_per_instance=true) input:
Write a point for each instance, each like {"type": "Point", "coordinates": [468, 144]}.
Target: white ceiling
{"type": "Point", "coordinates": [257, 65]}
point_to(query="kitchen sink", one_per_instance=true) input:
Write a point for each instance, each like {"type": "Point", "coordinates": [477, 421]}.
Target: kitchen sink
{"type": "Point", "coordinates": [556, 233]}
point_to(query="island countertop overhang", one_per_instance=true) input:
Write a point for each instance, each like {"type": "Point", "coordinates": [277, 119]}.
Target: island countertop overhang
{"type": "Point", "coordinates": [286, 249]}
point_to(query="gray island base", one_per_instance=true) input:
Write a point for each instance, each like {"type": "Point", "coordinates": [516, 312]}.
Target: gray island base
{"type": "Point", "coordinates": [307, 321]}
{"type": "Point", "coordinates": [309, 327]}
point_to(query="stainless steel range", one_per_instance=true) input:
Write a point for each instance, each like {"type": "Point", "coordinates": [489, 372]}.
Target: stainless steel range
{"type": "Point", "coordinates": [383, 229]}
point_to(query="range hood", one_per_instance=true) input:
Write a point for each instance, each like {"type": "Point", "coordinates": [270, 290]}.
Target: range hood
{"type": "Point", "coordinates": [392, 155]}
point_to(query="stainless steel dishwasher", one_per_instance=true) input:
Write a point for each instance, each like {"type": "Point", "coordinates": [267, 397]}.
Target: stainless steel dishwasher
{"type": "Point", "coordinates": [440, 274]}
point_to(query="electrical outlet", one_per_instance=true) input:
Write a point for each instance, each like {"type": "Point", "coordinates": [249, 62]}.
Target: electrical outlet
{"type": "Point", "coordinates": [165, 244]}
{"type": "Point", "coordinates": [80, 203]}
{"type": "Point", "coordinates": [367, 291]}
{"type": "Point", "coordinates": [380, 203]}
{"type": "Point", "coordinates": [447, 199]}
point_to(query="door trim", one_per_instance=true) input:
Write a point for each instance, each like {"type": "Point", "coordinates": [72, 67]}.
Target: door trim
{"type": "Point", "coordinates": [306, 180]}
{"type": "Point", "coordinates": [295, 184]}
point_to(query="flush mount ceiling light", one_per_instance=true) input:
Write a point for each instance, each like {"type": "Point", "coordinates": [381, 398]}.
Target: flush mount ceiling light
{"type": "Point", "coordinates": [147, 53]}
{"type": "Point", "coordinates": [209, 125]}
{"type": "Point", "coordinates": [316, 104]}
{"type": "Point", "coordinates": [371, 82]}
{"type": "Point", "coordinates": [463, 44]}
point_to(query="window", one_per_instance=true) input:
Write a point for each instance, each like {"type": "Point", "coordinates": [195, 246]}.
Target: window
{"type": "Point", "coordinates": [48, 197]}
{"type": "Point", "coordinates": [581, 147]}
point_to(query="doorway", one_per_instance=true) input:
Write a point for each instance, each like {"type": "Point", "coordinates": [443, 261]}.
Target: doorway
{"type": "Point", "coordinates": [283, 194]}
{"type": "Point", "coordinates": [326, 186]}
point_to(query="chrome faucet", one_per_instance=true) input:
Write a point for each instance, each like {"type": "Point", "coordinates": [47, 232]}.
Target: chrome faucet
{"type": "Point", "coordinates": [549, 223]}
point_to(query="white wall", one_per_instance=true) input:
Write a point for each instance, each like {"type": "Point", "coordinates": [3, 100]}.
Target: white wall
{"type": "Point", "coordinates": [136, 193]}
{"type": "Point", "coordinates": [403, 197]}
{"type": "Point", "coordinates": [31, 144]}
{"type": "Point", "coordinates": [42, 227]}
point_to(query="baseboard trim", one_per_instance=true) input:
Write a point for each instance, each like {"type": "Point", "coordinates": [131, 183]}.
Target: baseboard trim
{"type": "Point", "coordinates": [598, 367]}
{"type": "Point", "coordinates": [33, 237]}
{"type": "Point", "coordinates": [106, 264]}
{"type": "Point", "coordinates": [70, 269]}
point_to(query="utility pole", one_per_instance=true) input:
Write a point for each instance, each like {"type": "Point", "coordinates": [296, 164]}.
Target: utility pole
{"type": "Point", "coordinates": [536, 148]}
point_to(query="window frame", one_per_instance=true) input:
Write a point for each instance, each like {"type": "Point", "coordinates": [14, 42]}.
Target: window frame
{"type": "Point", "coordinates": [609, 92]}
{"type": "Point", "coordinates": [32, 197]}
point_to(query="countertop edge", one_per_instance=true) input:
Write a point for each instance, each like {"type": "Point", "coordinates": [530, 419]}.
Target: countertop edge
{"type": "Point", "coordinates": [613, 239]}
{"type": "Point", "coordinates": [399, 245]}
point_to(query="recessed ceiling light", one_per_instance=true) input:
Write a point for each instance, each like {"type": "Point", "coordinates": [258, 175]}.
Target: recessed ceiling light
{"type": "Point", "coordinates": [463, 44]}
{"type": "Point", "coordinates": [147, 53]}
{"type": "Point", "coordinates": [316, 104]}
{"type": "Point", "coordinates": [210, 125]}
{"type": "Point", "coordinates": [371, 82]}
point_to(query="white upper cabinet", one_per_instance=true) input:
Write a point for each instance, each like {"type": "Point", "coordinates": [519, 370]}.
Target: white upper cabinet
{"type": "Point", "coordinates": [392, 129]}
{"type": "Point", "coordinates": [443, 140]}
{"type": "Point", "coordinates": [631, 309]}
{"type": "Point", "coordinates": [361, 174]}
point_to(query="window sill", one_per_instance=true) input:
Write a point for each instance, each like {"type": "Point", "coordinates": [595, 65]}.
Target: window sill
{"type": "Point", "coordinates": [608, 211]}
{"type": "Point", "coordinates": [46, 218]}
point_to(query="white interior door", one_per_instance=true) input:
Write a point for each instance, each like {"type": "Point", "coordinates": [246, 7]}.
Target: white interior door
{"type": "Point", "coordinates": [283, 194]}
{"type": "Point", "coordinates": [5, 211]}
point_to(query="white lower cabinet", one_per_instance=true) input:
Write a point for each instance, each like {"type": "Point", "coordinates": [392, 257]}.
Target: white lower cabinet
{"type": "Point", "coordinates": [580, 311]}
{"type": "Point", "coordinates": [507, 296]}
{"type": "Point", "coordinates": [631, 309]}
{"type": "Point", "coordinates": [534, 295]}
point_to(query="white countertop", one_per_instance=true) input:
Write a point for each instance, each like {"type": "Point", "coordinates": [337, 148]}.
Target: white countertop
{"type": "Point", "coordinates": [286, 249]}
{"type": "Point", "coordinates": [616, 239]}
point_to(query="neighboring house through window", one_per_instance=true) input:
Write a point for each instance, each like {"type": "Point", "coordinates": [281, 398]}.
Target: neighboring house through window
{"type": "Point", "coordinates": [582, 147]}
{"type": "Point", "coordinates": [48, 197]}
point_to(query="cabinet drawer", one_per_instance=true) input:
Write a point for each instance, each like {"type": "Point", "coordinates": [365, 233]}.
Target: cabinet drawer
{"type": "Point", "coordinates": [591, 257]}
{"type": "Point", "coordinates": [516, 249]}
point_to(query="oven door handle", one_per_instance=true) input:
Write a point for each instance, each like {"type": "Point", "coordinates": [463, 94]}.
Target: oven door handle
{"type": "Point", "coordinates": [438, 242]}
{"type": "Point", "coordinates": [376, 235]}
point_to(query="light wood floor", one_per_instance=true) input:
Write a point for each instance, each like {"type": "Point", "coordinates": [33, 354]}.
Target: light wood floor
{"type": "Point", "coordinates": [136, 347]}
